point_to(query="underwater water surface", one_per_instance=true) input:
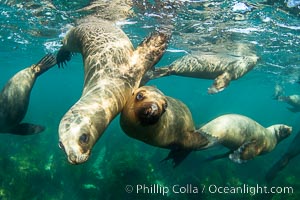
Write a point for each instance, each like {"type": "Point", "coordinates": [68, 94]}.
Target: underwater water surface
{"type": "Point", "coordinates": [33, 167]}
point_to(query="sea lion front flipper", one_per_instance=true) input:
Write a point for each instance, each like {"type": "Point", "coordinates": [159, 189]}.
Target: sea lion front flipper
{"type": "Point", "coordinates": [27, 129]}
{"type": "Point", "coordinates": [177, 156]}
{"type": "Point", "coordinates": [220, 83]}
{"type": "Point", "coordinates": [62, 57]}
{"type": "Point", "coordinates": [161, 72]}
{"type": "Point", "coordinates": [246, 152]}
{"type": "Point", "coordinates": [44, 64]}
{"type": "Point", "coordinates": [155, 73]}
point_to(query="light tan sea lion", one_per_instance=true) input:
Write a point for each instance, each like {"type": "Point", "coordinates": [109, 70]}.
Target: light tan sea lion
{"type": "Point", "coordinates": [15, 96]}
{"type": "Point", "coordinates": [161, 121]}
{"type": "Point", "coordinates": [112, 70]}
{"type": "Point", "coordinates": [245, 138]}
{"type": "Point", "coordinates": [218, 66]}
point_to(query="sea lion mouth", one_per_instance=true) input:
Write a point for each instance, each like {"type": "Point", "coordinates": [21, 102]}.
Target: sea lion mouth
{"type": "Point", "coordinates": [149, 114]}
{"type": "Point", "coordinates": [73, 158]}
{"type": "Point", "coordinates": [78, 159]}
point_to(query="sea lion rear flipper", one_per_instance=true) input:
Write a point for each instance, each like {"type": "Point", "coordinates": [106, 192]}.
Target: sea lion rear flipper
{"type": "Point", "coordinates": [220, 83]}
{"type": "Point", "coordinates": [246, 152]}
{"type": "Point", "coordinates": [278, 166]}
{"type": "Point", "coordinates": [27, 129]}
{"type": "Point", "coordinates": [62, 57]}
{"type": "Point", "coordinates": [208, 139]}
{"type": "Point", "coordinates": [177, 155]}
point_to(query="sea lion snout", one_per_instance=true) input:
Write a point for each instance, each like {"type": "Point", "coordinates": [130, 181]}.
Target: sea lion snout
{"type": "Point", "coordinates": [149, 113]}
{"type": "Point", "coordinates": [285, 131]}
{"type": "Point", "coordinates": [72, 158]}
{"type": "Point", "coordinates": [75, 158]}
{"type": "Point", "coordinates": [282, 131]}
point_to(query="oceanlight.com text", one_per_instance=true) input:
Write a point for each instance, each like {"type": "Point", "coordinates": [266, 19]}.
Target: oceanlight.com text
{"type": "Point", "coordinates": [208, 189]}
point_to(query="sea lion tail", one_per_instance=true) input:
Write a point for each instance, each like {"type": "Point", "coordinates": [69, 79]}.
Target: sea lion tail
{"type": "Point", "coordinates": [278, 166]}
{"type": "Point", "coordinates": [45, 63]}
{"type": "Point", "coordinates": [177, 156]}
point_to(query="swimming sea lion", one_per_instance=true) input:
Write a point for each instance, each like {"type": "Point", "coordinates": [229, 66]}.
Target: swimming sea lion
{"type": "Point", "coordinates": [161, 121]}
{"type": "Point", "coordinates": [244, 137]}
{"type": "Point", "coordinates": [292, 151]}
{"type": "Point", "coordinates": [278, 92]}
{"type": "Point", "coordinates": [112, 70]}
{"type": "Point", "coordinates": [219, 66]}
{"type": "Point", "coordinates": [293, 100]}
{"type": "Point", "coordinates": [14, 98]}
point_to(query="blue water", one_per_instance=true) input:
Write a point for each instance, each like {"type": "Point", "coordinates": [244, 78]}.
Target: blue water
{"type": "Point", "coordinates": [33, 167]}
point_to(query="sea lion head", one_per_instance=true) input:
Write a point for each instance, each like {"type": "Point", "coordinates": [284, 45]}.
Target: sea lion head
{"type": "Point", "coordinates": [282, 131]}
{"type": "Point", "coordinates": [149, 105]}
{"type": "Point", "coordinates": [76, 136]}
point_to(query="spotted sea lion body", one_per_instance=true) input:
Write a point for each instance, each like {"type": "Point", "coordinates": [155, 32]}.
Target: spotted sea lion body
{"type": "Point", "coordinates": [15, 96]}
{"type": "Point", "coordinates": [218, 66]}
{"type": "Point", "coordinates": [161, 121]}
{"type": "Point", "coordinates": [112, 69]}
{"type": "Point", "coordinates": [244, 137]}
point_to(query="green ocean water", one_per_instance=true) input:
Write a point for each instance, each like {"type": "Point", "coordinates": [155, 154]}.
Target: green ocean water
{"type": "Point", "coordinates": [33, 167]}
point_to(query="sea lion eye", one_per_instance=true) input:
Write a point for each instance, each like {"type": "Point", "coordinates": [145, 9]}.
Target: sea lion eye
{"type": "Point", "coordinates": [165, 106]}
{"type": "Point", "coordinates": [84, 138]}
{"type": "Point", "coordinates": [139, 96]}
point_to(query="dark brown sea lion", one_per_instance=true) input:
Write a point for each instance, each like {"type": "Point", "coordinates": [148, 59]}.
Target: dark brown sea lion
{"type": "Point", "coordinates": [161, 121]}
{"type": "Point", "coordinates": [15, 96]}
{"type": "Point", "coordinates": [112, 70]}
{"type": "Point", "coordinates": [292, 151]}
{"type": "Point", "coordinates": [245, 138]}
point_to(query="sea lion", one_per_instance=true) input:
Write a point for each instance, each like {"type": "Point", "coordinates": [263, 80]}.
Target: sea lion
{"type": "Point", "coordinates": [278, 92]}
{"type": "Point", "coordinates": [161, 121]}
{"type": "Point", "coordinates": [293, 100]}
{"type": "Point", "coordinates": [292, 151]}
{"type": "Point", "coordinates": [221, 67]}
{"type": "Point", "coordinates": [14, 98]}
{"type": "Point", "coordinates": [112, 70]}
{"type": "Point", "coordinates": [244, 137]}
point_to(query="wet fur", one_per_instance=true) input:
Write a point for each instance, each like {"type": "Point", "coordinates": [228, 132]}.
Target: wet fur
{"type": "Point", "coordinates": [174, 130]}
{"type": "Point", "coordinates": [112, 70]}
